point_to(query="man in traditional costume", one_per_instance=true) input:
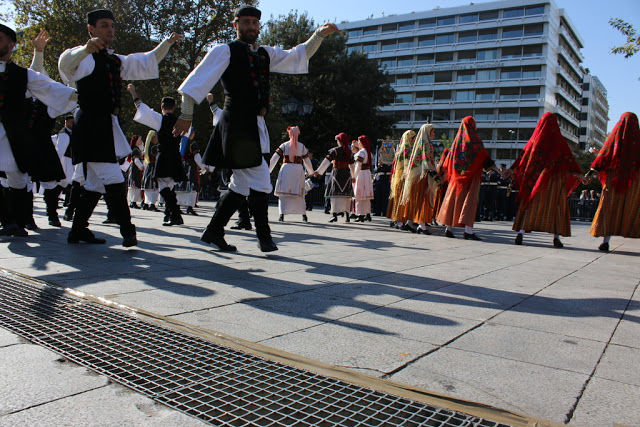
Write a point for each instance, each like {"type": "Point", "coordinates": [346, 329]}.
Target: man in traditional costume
{"type": "Point", "coordinates": [135, 172]}
{"type": "Point", "coordinates": [192, 167]}
{"type": "Point", "coordinates": [363, 186]}
{"type": "Point", "coordinates": [241, 140]}
{"type": "Point", "coordinates": [463, 167]}
{"type": "Point", "coordinates": [63, 147]}
{"type": "Point", "coordinates": [149, 182]}
{"type": "Point", "coordinates": [290, 184]}
{"type": "Point", "coordinates": [421, 182]}
{"type": "Point", "coordinates": [97, 140]}
{"type": "Point", "coordinates": [617, 167]}
{"type": "Point", "coordinates": [340, 188]}
{"type": "Point", "coordinates": [546, 173]}
{"type": "Point", "coordinates": [396, 210]}
{"type": "Point", "coordinates": [15, 155]}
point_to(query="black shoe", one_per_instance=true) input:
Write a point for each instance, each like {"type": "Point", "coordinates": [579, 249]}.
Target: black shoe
{"type": "Point", "coordinates": [55, 222]}
{"type": "Point", "coordinates": [471, 236]}
{"type": "Point", "coordinates": [14, 230]}
{"type": "Point", "coordinates": [68, 216]}
{"type": "Point", "coordinates": [144, 206]}
{"type": "Point", "coordinates": [519, 239]}
{"type": "Point", "coordinates": [367, 217]}
{"type": "Point", "coordinates": [407, 227]}
{"type": "Point", "coordinates": [240, 226]}
{"type": "Point", "coordinates": [353, 216]}
{"type": "Point", "coordinates": [191, 211]}
{"type": "Point", "coordinates": [130, 240]}
{"type": "Point", "coordinates": [347, 218]}
{"type": "Point", "coordinates": [109, 221]}
{"type": "Point", "coordinates": [84, 235]}
{"type": "Point", "coordinates": [604, 247]}
{"type": "Point", "coordinates": [360, 218]}
{"type": "Point", "coordinates": [134, 205]}
{"type": "Point", "coordinates": [425, 232]}
{"type": "Point", "coordinates": [557, 243]}
{"type": "Point", "coordinates": [392, 224]}
{"type": "Point", "coordinates": [334, 218]}
{"type": "Point", "coordinates": [267, 245]}
{"type": "Point", "coordinates": [209, 237]}
{"type": "Point", "coordinates": [31, 225]}
{"type": "Point", "coordinates": [449, 234]}
{"type": "Point", "coordinates": [281, 218]}
{"type": "Point", "coordinates": [152, 207]}
{"type": "Point", "coordinates": [304, 218]}
{"type": "Point", "coordinates": [327, 211]}
{"type": "Point", "coordinates": [174, 220]}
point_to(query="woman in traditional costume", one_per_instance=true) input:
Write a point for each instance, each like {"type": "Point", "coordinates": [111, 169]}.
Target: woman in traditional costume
{"type": "Point", "coordinates": [546, 173]}
{"type": "Point", "coordinates": [421, 182]}
{"type": "Point", "coordinates": [149, 183]}
{"type": "Point", "coordinates": [395, 210]}
{"type": "Point", "coordinates": [463, 167]}
{"type": "Point", "coordinates": [339, 188]}
{"type": "Point", "coordinates": [363, 187]}
{"type": "Point", "coordinates": [134, 174]}
{"type": "Point", "coordinates": [617, 167]}
{"type": "Point", "coordinates": [290, 184]}
{"type": "Point", "coordinates": [442, 189]}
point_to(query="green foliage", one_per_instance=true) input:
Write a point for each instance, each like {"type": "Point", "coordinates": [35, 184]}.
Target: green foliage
{"type": "Point", "coordinates": [632, 45]}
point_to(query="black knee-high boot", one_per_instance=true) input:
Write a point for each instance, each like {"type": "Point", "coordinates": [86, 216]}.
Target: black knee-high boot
{"type": "Point", "coordinates": [116, 198]}
{"type": "Point", "coordinates": [25, 218]}
{"type": "Point", "coordinates": [51, 200]}
{"type": "Point", "coordinates": [74, 196]}
{"type": "Point", "coordinates": [259, 208]}
{"type": "Point", "coordinates": [227, 206]}
{"type": "Point", "coordinates": [171, 202]}
{"type": "Point", "coordinates": [15, 212]}
{"type": "Point", "coordinates": [80, 232]}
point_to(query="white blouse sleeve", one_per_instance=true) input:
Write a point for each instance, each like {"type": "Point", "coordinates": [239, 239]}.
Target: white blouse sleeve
{"type": "Point", "coordinates": [148, 117]}
{"type": "Point", "coordinates": [205, 76]}
{"type": "Point", "coordinates": [139, 66]}
{"type": "Point", "coordinates": [292, 61]}
{"type": "Point", "coordinates": [53, 94]}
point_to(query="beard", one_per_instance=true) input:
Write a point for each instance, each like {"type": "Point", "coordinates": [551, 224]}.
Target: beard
{"type": "Point", "coordinates": [249, 38]}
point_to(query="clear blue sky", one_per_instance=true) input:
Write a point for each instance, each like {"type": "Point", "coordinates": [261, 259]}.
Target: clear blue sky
{"type": "Point", "coordinates": [619, 75]}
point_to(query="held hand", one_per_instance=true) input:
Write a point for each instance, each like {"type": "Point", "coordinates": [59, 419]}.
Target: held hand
{"type": "Point", "coordinates": [176, 38]}
{"type": "Point", "coordinates": [41, 41]}
{"type": "Point", "coordinates": [209, 97]}
{"type": "Point", "coordinates": [585, 180]}
{"type": "Point", "coordinates": [315, 174]}
{"type": "Point", "coordinates": [95, 45]}
{"type": "Point", "coordinates": [181, 127]}
{"type": "Point", "coordinates": [329, 28]}
{"type": "Point", "coordinates": [132, 90]}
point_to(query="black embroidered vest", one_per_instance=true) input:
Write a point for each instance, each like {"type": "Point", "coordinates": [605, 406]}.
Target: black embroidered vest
{"type": "Point", "coordinates": [13, 85]}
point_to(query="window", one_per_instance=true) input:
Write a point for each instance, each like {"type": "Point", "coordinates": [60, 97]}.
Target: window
{"type": "Point", "coordinates": [467, 36]}
{"type": "Point", "coordinates": [510, 73]}
{"type": "Point", "coordinates": [511, 52]}
{"type": "Point", "coordinates": [512, 32]}
{"type": "Point", "coordinates": [525, 134]}
{"type": "Point", "coordinates": [403, 98]}
{"type": "Point", "coordinates": [370, 31]}
{"type": "Point", "coordinates": [462, 113]}
{"type": "Point", "coordinates": [444, 57]}
{"type": "Point", "coordinates": [509, 93]}
{"type": "Point", "coordinates": [465, 95]}
{"type": "Point", "coordinates": [472, 17]}
{"type": "Point", "coordinates": [404, 26]}
{"type": "Point", "coordinates": [505, 135]}
{"type": "Point", "coordinates": [425, 78]}
{"type": "Point", "coordinates": [388, 45]}
{"type": "Point", "coordinates": [388, 63]}
{"type": "Point", "coordinates": [585, 101]}
{"type": "Point", "coordinates": [490, 34]}
{"type": "Point", "coordinates": [426, 59]}
{"type": "Point", "coordinates": [402, 116]}
{"type": "Point", "coordinates": [404, 79]}
{"type": "Point", "coordinates": [530, 92]}
{"type": "Point", "coordinates": [466, 55]}
{"type": "Point", "coordinates": [585, 86]}
{"type": "Point", "coordinates": [513, 13]}
{"type": "Point", "coordinates": [487, 54]}
{"type": "Point", "coordinates": [485, 94]}
{"type": "Point", "coordinates": [426, 23]}
{"type": "Point", "coordinates": [465, 76]}
{"type": "Point", "coordinates": [424, 97]}
{"type": "Point", "coordinates": [531, 72]}
{"type": "Point", "coordinates": [426, 41]}
{"type": "Point", "coordinates": [505, 153]}
{"type": "Point", "coordinates": [446, 20]}
{"type": "Point", "coordinates": [445, 38]}
{"type": "Point", "coordinates": [355, 33]}
{"type": "Point", "coordinates": [533, 30]}
{"type": "Point", "coordinates": [485, 134]}
{"type": "Point", "coordinates": [370, 47]}
{"type": "Point", "coordinates": [488, 16]}
{"type": "Point", "coordinates": [444, 77]}
{"type": "Point", "coordinates": [442, 95]}
{"type": "Point", "coordinates": [405, 43]}
{"type": "Point", "coordinates": [484, 114]}
{"type": "Point", "coordinates": [534, 10]}
{"type": "Point", "coordinates": [353, 49]}
{"type": "Point", "coordinates": [532, 50]}
{"type": "Point", "coordinates": [406, 61]}
{"type": "Point", "coordinates": [389, 28]}
{"type": "Point", "coordinates": [487, 75]}
{"type": "Point", "coordinates": [530, 113]}
{"type": "Point", "coordinates": [508, 114]}
{"type": "Point", "coordinates": [423, 116]}
{"type": "Point", "coordinates": [441, 115]}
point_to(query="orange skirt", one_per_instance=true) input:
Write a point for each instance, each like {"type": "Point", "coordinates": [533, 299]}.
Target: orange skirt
{"type": "Point", "coordinates": [396, 211]}
{"type": "Point", "coordinates": [458, 210]}
{"type": "Point", "coordinates": [439, 198]}
{"type": "Point", "coordinates": [619, 212]}
{"type": "Point", "coordinates": [547, 211]}
{"type": "Point", "coordinates": [419, 208]}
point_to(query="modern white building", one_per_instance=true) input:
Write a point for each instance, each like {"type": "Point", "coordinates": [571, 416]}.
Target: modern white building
{"type": "Point", "coordinates": [594, 115]}
{"type": "Point", "coordinates": [504, 62]}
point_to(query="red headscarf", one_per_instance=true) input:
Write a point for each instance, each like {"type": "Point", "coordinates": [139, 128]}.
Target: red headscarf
{"type": "Point", "coordinates": [620, 155]}
{"type": "Point", "coordinates": [547, 153]}
{"type": "Point", "coordinates": [132, 144]}
{"type": "Point", "coordinates": [366, 144]}
{"type": "Point", "coordinates": [344, 139]}
{"type": "Point", "coordinates": [467, 155]}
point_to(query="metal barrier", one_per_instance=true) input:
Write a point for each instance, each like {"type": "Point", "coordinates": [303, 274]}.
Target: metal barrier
{"type": "Point", "coordinates": [583, 210]}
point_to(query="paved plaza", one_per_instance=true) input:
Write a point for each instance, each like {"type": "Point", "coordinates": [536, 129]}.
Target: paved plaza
{"type": "Point", "coordinates": [550, 333]}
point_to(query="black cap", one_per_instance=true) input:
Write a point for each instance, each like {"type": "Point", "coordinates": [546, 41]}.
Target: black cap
{"type": "Point", "coordinates": [68, 118]}
{"type": "Point", "coordinates": [168, 101]}
{"type": "Point", "coordinates": [95, 15]}
{"type": "Point", "coordinates": [9, 32]}
{"type": "Point", "coordinates": [504, 165]}
{"type": "Point", "coordinates": [247, 11]}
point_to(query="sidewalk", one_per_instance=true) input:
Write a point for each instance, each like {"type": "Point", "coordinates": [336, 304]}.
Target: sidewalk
{"type": "Point", "coordinates": [550, 333]}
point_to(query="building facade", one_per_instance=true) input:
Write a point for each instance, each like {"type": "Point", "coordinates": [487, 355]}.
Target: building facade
{"type": "Point", "coordinates": [506, 63]}
{"type": "Point", "coordinates": [594, 115]}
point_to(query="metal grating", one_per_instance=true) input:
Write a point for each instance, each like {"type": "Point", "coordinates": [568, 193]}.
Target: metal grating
{"type": "Point", "coordinates": [216, 384]}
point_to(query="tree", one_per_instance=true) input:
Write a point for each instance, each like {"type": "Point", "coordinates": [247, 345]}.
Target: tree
{"type": "Point", "coordinates": [632, 45]}
{"type": "Point", "coordinates": [346, 89]}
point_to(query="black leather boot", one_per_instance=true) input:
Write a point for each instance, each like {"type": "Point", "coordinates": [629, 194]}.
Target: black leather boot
{"type": "Point", "coordinates": [26, 217]}
{"type": "Point", "coordinates": [116, 198]}
{"type": "Point", "coordinates": [171, 203]}
{"type": "Point", "coordinates": [14, 211]}
{"type": "Point", "coordinates": [84, 209]}
{"type": "Point", "coordinates": [74, 195]}
{"type": "Point", "coordinates": [259, 208]}
{"type": "Point", "coordinates": [51, 200]}
{"type": "Point", "coordinates": [226, 207]}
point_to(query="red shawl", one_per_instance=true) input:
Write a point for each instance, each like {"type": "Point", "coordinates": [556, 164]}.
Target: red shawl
{"type": "Point", "coordinates": [546, 154]}
{"type": "Point", "coordinates": [466, 157]}
{"type": "Point", "coordinates": [620, 155]}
